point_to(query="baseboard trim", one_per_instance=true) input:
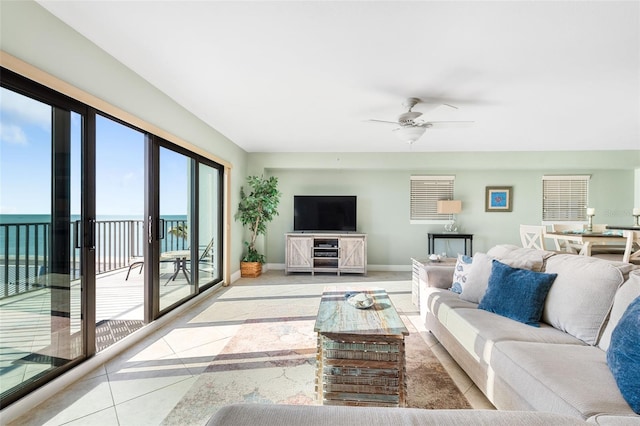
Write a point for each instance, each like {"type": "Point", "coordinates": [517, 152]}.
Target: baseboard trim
{"type": "Point", "coordinates": [380, 268]}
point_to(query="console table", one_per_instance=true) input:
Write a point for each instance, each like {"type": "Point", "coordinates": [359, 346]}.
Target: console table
{"type": "Point", "coordinates": [326, 252]}
{"type": "Point", "coordinates": [468, 241]}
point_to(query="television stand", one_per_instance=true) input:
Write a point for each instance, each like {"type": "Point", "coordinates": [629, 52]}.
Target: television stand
{"type": "Point", "coordinates": [326, 252]}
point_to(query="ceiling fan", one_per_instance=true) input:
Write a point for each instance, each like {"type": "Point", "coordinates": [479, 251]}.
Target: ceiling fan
{"type": "Point", "coordinates": [411, 129]}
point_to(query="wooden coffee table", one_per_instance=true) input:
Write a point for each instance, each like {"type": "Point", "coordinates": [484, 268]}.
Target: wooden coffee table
{"type": "Point", "coordinates": [361, 354]}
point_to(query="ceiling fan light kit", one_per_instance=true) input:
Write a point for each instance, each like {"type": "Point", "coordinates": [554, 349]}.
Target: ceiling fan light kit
{"type": "Point", "coordinates": [409, 134]}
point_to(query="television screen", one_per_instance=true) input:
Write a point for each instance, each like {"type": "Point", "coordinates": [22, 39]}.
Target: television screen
{"type": "Point", "coordinates": [324, 213]}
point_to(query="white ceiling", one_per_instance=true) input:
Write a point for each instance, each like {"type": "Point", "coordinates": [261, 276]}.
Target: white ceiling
{"type": "Point", "coordinates": [301, 76]}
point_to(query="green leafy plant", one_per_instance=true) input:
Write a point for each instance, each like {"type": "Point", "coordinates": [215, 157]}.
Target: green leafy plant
{"type": "Point", "coordinates": [258, 206]}
{"type": "Point", "coordinates": [179, 231]}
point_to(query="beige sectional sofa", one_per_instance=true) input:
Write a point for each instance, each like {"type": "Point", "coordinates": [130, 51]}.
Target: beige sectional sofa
{"type": "Point", "coordinates": [326, 415]}
{"type": "Point", "coordinates": [558, 367]}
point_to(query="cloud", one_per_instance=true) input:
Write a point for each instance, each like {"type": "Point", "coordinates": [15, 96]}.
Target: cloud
{"type": "Point", "coordinates": [21, 109]}
{"type": "Point", "coordinates": [12, 134]}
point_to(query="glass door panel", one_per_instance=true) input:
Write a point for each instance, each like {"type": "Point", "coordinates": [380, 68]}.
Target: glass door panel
{"type": "Point", "coordinates": [41, 326]}
{"type": "Point", "coordinates": [120, 236]}
{"type": "Point", "coordinates": [175, 262]}
{"type": "Point", "coordinates": [209, 225]}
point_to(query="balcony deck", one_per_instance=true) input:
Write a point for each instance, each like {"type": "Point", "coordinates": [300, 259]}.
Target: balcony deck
{"type": "Point", "coordinates": [28, 344]}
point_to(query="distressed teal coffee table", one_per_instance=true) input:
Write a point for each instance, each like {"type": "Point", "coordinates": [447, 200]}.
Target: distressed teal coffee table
{"type": "Point", "coordinates": [361, 354]}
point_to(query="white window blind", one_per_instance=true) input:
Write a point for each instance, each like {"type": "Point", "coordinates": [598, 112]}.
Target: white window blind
{"type": "Point", "coordinates": [565, 198]}
{"type": "Point", "coordinates": [425, 193]}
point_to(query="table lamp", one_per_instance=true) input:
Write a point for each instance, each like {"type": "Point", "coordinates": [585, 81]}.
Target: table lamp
{"type": "Point", "coordinates": [450, 207]}
{"type": "Point", "coordinates": [591, 212]}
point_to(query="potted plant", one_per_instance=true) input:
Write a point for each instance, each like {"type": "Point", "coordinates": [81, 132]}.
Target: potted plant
{"type": "Point", "coordinates": [257, 207]}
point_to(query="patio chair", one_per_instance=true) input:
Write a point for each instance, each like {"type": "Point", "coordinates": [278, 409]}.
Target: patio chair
{"type": "Point", "coordinates": [139, 261]}
{"type": "Point", "coordinates": [135, 262]}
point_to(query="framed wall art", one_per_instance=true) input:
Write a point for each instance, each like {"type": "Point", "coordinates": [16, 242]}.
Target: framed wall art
{"type": "Point", "coordinates": [498, 199]}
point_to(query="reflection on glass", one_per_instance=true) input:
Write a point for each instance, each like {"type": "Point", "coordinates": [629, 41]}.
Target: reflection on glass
{"type": "Point", "coordinates": [176, 282]}
{"type": "Point", "coordinates": [40, 282]}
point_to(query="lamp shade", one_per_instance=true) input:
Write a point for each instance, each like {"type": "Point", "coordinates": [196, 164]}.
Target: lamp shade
{"type": "Point", "coordinates": [449, 206]}
{"type": "Point", "coordinates": [409, 134]}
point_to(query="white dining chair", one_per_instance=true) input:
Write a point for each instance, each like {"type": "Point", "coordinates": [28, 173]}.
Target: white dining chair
{"type": "Point", "coordinates": [532, 236]}
{"type": "Point", "coordinates": [563, 245]}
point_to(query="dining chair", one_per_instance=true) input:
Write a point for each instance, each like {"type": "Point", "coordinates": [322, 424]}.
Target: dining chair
{"type": "Point", "coordinates": [630, 253]}
{"type": "Point", "coordinates": [632, 247]}
{"type": "Point", "coordinates": [532, 236]}
{"type": "Point", "coordinates": [567, 246]}
{"type": "Point", "coordinates": [614, 249]}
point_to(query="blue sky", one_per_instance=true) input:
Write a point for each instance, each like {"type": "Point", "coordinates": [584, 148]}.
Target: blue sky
{"type": "Point", "coordinates": [25, 164]}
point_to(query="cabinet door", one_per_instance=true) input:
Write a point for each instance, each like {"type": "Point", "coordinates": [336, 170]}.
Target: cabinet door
{"type": "Point", "coordinates": [299, 252]}
{"type": "Point", "coordinates": [353, 253]}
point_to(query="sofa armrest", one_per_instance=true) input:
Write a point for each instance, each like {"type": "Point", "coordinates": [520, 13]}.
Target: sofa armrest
{"type": "Point", "coordinates": [439, 275]}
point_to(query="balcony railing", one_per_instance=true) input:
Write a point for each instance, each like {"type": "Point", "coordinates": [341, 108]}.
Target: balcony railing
{"type": "Point", "coordinates": [25, 247]}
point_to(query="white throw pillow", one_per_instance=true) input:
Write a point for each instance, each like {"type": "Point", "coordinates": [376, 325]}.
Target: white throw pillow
{"type": "Point", "coordinates": [477, 278]}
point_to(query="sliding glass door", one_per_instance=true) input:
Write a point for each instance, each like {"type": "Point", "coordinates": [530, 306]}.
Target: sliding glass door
{"type": "Point", "coordinates": [41, 272]}
{"type": "Point", "coordinates": [120, 237]}
{"type": "Point", "coordinates": [210, 224]}
{"type": "Point", "coordinates": [103, 228]}
{"type": "Point", "coordinates": [176, 228]}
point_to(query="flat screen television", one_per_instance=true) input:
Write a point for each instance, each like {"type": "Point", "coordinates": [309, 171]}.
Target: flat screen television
{"type": "Point", "coordinates": [324, 213]}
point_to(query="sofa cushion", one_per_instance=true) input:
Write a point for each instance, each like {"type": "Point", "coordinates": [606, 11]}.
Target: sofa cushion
{"type": "Point", "coordinates": [582, 294]}
{"type": "Point", "coordinates": [516, 293]}
{"type": "Point", "coordinates": [623, 355]}
{"type": "Point", "coordinates": [439, 302]}
{"type": "Point", "coordinates": [567, 379]}
{"type": "Point", "coordinates": [624, 296]}
{"type": "Point", "coordinates": [527, 258]}
{"type": "Point", "coordinates": [477, 331]}
{"type": "Point", "coordinates": [463, 266]}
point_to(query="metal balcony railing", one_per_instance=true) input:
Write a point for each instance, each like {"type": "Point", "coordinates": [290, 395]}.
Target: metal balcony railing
{"type": "Point", "coordinates": [25, 250]}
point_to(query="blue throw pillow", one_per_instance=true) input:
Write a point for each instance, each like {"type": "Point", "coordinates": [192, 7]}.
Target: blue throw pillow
{"type": "Point", "coordinates": [516, 293]}
{"type": "Point", "coordinates": [623, 355]}
{"type": "Point", "coordinates": [463, 265]}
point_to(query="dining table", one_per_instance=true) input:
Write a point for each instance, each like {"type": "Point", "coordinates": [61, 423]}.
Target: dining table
{"type": "Point", "coordinates": [587, 239]}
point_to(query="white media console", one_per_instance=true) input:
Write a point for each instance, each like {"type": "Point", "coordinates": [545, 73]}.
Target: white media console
{"type": "Point", "coordinates": [326, 252]}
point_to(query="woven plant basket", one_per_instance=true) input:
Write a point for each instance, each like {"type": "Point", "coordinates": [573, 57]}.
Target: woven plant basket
{"type": "Point", "coordinates": [250, 269]}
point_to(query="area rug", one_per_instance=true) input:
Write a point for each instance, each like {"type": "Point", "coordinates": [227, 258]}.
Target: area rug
{"type": "Point", "coordinates": [273, 362]}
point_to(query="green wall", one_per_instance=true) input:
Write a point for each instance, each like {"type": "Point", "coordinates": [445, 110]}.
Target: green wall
{"type": "Point", "coordinates": [381, 182]}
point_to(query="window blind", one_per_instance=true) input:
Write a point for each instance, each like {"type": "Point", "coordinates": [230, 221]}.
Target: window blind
{"type": "Point", "coordinates": [565, 198]}
{"type": "Point", "coordinates": [425, 193]}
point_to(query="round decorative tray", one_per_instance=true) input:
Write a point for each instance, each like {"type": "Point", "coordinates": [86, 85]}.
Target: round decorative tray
{"type": "Point", "coordinates": [360, 301]}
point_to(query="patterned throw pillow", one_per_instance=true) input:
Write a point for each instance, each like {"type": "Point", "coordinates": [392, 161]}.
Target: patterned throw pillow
{"type": "Point", "coordinates": [463, 265]}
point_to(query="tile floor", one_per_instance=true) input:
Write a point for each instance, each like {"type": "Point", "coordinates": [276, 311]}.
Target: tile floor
{"type": "Point", "coordinates": [142, 384]}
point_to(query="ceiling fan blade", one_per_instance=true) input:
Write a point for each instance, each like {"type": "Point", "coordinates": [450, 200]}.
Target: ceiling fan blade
{"type": "Point", "coordinates": [446, 124]}
{"type": "Point", "coordinates": [384, 121]}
